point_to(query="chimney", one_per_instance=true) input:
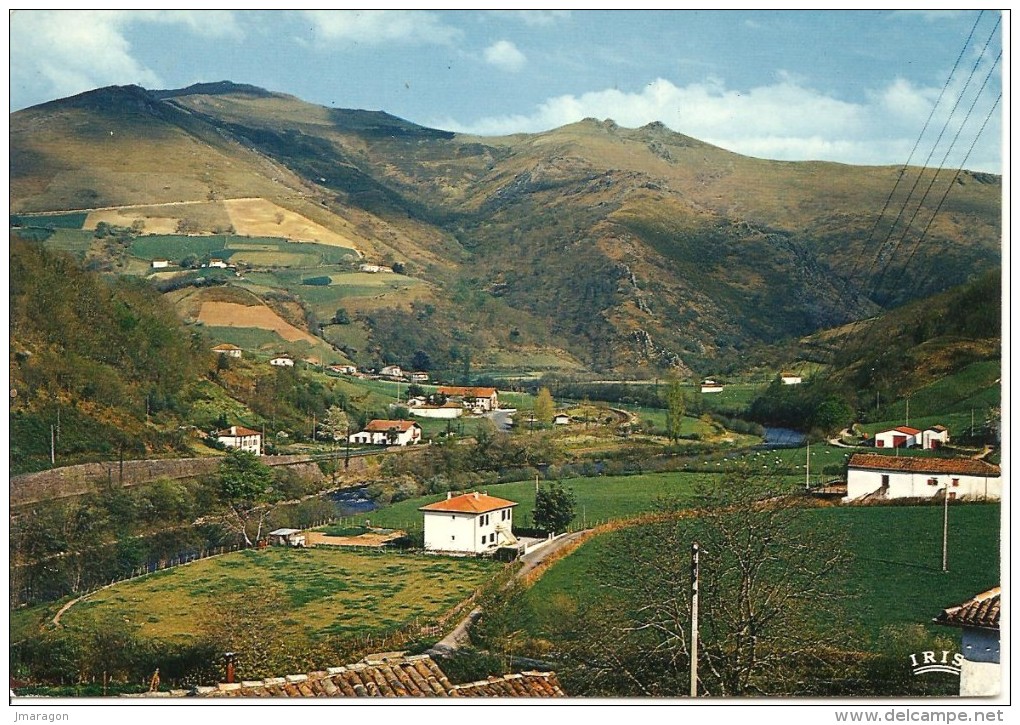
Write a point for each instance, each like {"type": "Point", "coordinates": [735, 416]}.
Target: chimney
{"type": "Point", "coordinates": [476, 494]}
{"type": "Point", "coordinates": [449, 495]}
{"type": "Point", "coordinates": [230, 657]}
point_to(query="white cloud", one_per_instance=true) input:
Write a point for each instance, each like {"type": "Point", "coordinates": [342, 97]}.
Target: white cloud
{"type": "Point", "coordinates": [785, 120]}
{"type": "Point", "coordinates": [536, 17]}
{"type": "Point", "coordinates": [504, 55]}
{"type": "Point", "coordinates": [372, 27]}
{"type": "Point", "coordinates": [59, 53]}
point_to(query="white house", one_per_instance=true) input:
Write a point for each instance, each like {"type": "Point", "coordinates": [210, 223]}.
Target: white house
{"type": "Point", "coordinates": [790, 379]}
{"type": "Point", "coordinates": [447, 411]}
{"type": "Point", "coordinates": [934, 437]}
{"type": "Point", "coordinates": [561, 419]}
{"type": "Point", "coordinates": [218, 263]}
{"type": "Point", "coordinates": [282, 361]}
{"type": "Point", "coordinates": [388, 433]}
{"type": "Point", "coordinates": [344, 369]}
{"type": "Point", "coordinates": [228, 350]}
{"type": "Point", "coordinates": [902, 437]}
{"type": "Point", "coordinates": [980, 672]}
{"type": "Point", "coordinates": [374, 268]}
{"type": "Point", "coordinates": [470, 523]}
{"type": "Point", "coordinates": [392, 371]}
{"type": "Point", "coordinates": [160, 263]}
{"type": "Point", "coordinates": [478, 399]}
{"type": "Point", "coordinates": [711, 386]}
{"type": "Point", "coordinates": [873, 474]}
{"type": "Point", "coordinates": [419, 377]}
{"type": "Point", "coordinates": [239, 437]}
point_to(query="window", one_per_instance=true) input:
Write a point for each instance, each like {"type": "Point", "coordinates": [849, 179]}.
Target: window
{"type": "Point", "coordinates": [933, 481]}
{"type": "Point", "coordinates": [885, 480]}
{"type": "Point", "coordinates": [956, 481]}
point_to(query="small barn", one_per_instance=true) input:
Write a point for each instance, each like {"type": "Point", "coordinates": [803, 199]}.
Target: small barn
{"type": "Point", "coordinates": [901, 437]}
{"type": "Point", "coordinates": [287, 537]}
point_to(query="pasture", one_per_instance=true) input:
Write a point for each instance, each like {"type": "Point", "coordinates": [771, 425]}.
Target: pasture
{"type": "Point", "coordinates": [895, 580]}
{"type": "Point", "coordinates": [322, 591]}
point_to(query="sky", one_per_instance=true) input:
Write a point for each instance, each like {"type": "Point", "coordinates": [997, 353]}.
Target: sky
{"type": "Point", "coordinates": [857, 87]}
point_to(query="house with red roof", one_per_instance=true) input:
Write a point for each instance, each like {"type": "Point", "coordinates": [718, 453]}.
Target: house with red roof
{"type": "Point", "coordinates": [388, 433]}
{"type": "Point", "coordinates": [237, 436]}
{"type": "Point", "coordinates": [472, 523]}
{"type": "Point", "coordinates": [934, 437]}
{"type": "Point", "coordinates": [901, 437]}
{"type": "Point", "coordinates": [873, 475]}
{"type": "Point", "coordinates": [478, 399]}
{"type": "Point", "coordinates": [978, 617]}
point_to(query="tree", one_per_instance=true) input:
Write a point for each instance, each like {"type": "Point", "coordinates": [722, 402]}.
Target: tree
{"type": "Point", "coordinates": [341, 317]}
{"type": "Point", "coordinates": [544, 406]}
{"type": "Point", "coordinates": [554, 508]}
{"type": "Point", "coordinates": [421, 361]}
{"type": "Point", "coordinates": [769, 597]}
{"type": "Point", "coordinates": [336, 423]}
{"type": "Point", "coordinates": [675, 408]}
{"type": "Point", "coordinates": [245, 486]}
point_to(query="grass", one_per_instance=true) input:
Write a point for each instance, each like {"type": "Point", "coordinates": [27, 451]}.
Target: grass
{"type": "Point", "coordinates": [598, 499]}
{"type": "Point", "coordinates": [176, 246]}
{"type": "Point", "coordinates": [896, 577]}
{"type": "Point", "coordinates": [326, 590]}
{"type": "Point", "coordinates": [73, 220]}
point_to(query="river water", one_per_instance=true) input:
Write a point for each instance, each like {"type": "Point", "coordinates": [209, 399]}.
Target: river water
{"type": "Point", "coordinates": [352, 502]}
{"type": "Point", "coordinates": [783, 438]}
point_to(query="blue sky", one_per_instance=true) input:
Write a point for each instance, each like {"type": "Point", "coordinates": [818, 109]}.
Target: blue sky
{"type": "Point", "coordinates": [854, 87]}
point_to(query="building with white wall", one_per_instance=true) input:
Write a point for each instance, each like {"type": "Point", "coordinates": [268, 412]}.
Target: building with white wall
{"type": "Point", "coordinates": [872, 474]}
{"type": "Point", "coordinates": [470, 523]}
{"type": "Point", "coordinates": [240, 437]}
{"type": "Point", "coordinates": [980, 671]}
{"type": "Point", "coordinates": [388, 433]}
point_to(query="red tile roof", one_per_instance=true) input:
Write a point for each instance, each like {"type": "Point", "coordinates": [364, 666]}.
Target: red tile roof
{"type": "Point", "coordinates": [469, 503]}
{"type": "Point", "coordinates": [384, 426]}
{"type": "Point", "coordinates": [237, 430]}
{"type": "Point", "coordinates": [902, 429]}
{"type": "Point", "coordinates": [982, 611]}
{"type": "Point", "coordinates": [415, 676]}
{"type": "Point", "coordinates": [913, 464]}
{"type": "Point", "coordinates": [468, 392]}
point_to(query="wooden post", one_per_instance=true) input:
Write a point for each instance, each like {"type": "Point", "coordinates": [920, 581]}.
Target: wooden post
{"type": "Point", "coordinates": [695, 579]}
{"type": "Point", "coordinates": [945, 530]}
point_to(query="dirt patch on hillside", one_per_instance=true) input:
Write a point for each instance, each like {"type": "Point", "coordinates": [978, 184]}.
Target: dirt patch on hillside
{"type": "Point", "coordinates": [209, 216]}
{"type": "Point", "coordinates": [230, 314]}
{"type": "Point", "coordinates": [263, 218]}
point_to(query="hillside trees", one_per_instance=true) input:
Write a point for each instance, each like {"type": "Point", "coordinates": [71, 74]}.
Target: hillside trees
{"type": "Point", "coordinates": [544, 406]}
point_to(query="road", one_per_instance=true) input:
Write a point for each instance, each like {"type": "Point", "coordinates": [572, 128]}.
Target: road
{"type": "Point", "coordinates": [460, 636]}
{"type": "Point", "coordinates": [502, 417]}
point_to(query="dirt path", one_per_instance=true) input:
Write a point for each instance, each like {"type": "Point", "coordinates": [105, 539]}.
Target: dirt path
{"type": "Point", "coordinates": [460, 636]}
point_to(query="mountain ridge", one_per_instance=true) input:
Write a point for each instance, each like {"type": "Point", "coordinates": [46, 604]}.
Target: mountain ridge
{"type": "Point", "coordinates": [639, 248]}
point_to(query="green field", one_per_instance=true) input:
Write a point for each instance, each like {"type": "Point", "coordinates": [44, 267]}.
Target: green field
{"type": "Point", "coordinates": [75, 241]}
{"type": "Point", "coordinates": [72, 220]}
{"type": "Point", "coordinates": [896, 578]}
{"type": "Point", "coordinates": [598, 499]}
{"type": "Point", "coordinates": [325, 591]}
{"type": "Point", "coordinates": [269, 251]}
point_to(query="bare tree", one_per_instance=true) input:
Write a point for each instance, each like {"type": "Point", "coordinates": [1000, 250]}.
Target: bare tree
{"type": "Point", "coordinates": [769, 615]}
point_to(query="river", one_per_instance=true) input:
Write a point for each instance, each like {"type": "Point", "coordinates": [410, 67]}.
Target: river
{"type": "Point", "coordinates": [783, 438]}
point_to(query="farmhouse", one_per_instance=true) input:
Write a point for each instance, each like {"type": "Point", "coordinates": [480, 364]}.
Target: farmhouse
{"type": "Point", "coordinates": [244, 438]}
{"type": "Point", "coordinates": [419, 377]}
{"type": "Point", "coordinates": [160, 263]}
{"type": "Point", "coordinates": [711, 386]}
{"type": "Point", "coordinates": [388, 433]}
{"type": "Point", "coordinates": [902, 437]}
{"type": "Point", "coordinates": [478, 399]}
{"type": "Point", "coordinates": [471, 523]}
{"type": "Point", "coordinates": [282, 361]}
{"type": "Point", "coordinates": [934, 437]}
{"type": "Point", "coordinates": [374, 268]}
{"type": "Point", "coordinates": [872, 474]}
{"type": "Point", "coordinates": [447, 411]}
{"type": "Point", "coordinates": [228, 350]}
{"type": "Point", "coordinates": [344, 369]}
{"type": "Point", "coordinates": [561, 419]}
{"type": "Point", "coordinates": [392, 371]}
{"type": "Point", "coordinates": [980, 674]}
{"type": "Point", "coordinates": [790, 378]}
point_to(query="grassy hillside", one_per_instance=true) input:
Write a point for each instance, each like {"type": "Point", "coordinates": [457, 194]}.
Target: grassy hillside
{"type": "Point", "coordinates": [618, 249]}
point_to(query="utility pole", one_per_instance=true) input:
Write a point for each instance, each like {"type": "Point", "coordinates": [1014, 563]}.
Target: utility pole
{"type": "Point", "coordinates": [807, 469]}
{"type": "Point", "coordinates": [53, 447]}
{"type": "Point", "coordinates": [907, 422]}
{"type": "Point", "coordinates": [945, 530]}
{"type": "Point", "coordinates": [695, 580]}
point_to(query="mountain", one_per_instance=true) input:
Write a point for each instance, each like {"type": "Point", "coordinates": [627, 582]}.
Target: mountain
{"type": "Point", "coordinates": [589, 245]}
